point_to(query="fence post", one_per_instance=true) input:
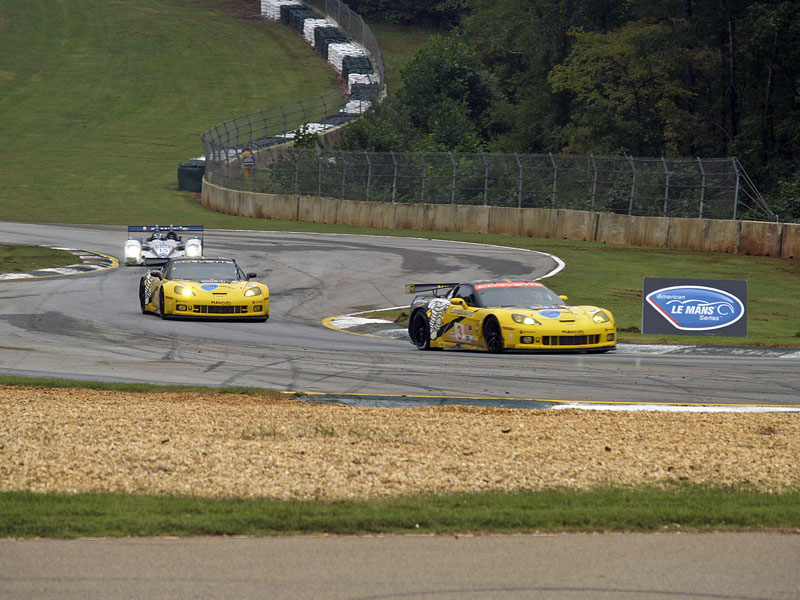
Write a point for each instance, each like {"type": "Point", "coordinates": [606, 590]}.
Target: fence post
{"type": "Point", "coordinates": [702, 185]}
{"type": "Point", "coordinates": [285, 125]}
{"type": "Point", "coordinates": [272, 161]}
{"type": "Point", "coordinates": [424, 176]}
{"type": "Point", "coordinates": [594, 181]}
{"type": "Point", "coordinates": [485, 179]}
{"type": "Point", "coordinates": [555, 177]}
{"type": "Point", "coordinates": [519, 181]}
{"type": "Point", "coordinates": [264, 122]}
{"type": "Point", "coordinates": [453, 186]}
{"type": "Point", "coordinates": [319, 175]}
{"type": "Point", "coordinates": [303, 108]}
{"type": "Point", "coordinates": [666, 185]}
{"type": "Point", "coordinates": [736, 192]}
{"type": "Point", "coordinates": [296, 171]}
{"type": "Point", "coordinates": [394, 178]}
{"type": "Point", "coordinates": [369, 173]}
{"type": "Point", "coordinates": [633, 186]}
{"type": "Point", "coordinates": [344, 170]}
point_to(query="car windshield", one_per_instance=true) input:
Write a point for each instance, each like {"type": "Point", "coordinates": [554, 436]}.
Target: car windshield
{"type": "Point", "coordinates": [204, 271]}
{"type": "Point", "coordinates": [517, 294]}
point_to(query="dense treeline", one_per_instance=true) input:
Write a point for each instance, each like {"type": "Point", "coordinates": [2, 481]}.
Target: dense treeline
{"type": "Point", "coordinates": [676, 78]}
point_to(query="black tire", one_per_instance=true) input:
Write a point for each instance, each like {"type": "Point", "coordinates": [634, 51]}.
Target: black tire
{"type": "Point", "coordinates": [493, 336]}
{"type": "Point", "coordinates": [161, 304]}
{"type": "Point", "coordinates": [419, 331]}
{"type": "Point", "coordinates": [141, 295]}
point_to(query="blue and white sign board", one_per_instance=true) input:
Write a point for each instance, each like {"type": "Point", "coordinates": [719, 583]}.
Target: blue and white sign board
{"type": "Point", "coordinates": [695, 307]}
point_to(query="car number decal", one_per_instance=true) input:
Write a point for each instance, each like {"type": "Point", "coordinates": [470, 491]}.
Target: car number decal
{"type": "Point", "coordinates": [462, 332]}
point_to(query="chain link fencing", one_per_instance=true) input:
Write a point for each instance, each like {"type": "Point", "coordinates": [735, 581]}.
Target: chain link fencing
{"type": "Point", "coordinates": [692, 188]}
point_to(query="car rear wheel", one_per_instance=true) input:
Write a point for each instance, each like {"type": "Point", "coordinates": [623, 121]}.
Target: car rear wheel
{"type": "Point", "coordinates": [419, 331]}
{"type": "Point", "coordinates": [493, 336]}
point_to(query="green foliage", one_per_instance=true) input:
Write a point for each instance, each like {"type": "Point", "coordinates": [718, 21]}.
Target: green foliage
{"type": "Point", "coordinates": [442, 13]}
{"type": "Point", "coordinates": [445, 104]}
{"type": "Point", "coordinates": [304, 138]}
{"type": "Point", "coordinates": [626, 98]}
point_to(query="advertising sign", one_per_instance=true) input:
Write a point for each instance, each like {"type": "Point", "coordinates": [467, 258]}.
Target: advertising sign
{"type": "Point", "coordinates": [695, 306]}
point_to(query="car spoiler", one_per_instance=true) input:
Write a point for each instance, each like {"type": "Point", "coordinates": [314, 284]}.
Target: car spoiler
{"type": "Point", "coordinates": [151, 228]}
{"type": "Point", "coordinates": [418, 288]}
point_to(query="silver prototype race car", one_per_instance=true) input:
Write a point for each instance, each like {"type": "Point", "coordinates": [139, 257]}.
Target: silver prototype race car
{"type": "Point", "coordinates": [155, 245]}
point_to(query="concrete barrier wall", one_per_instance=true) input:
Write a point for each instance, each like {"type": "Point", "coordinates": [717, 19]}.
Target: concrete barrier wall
{"type": "Point", "coordinates": [715, 235]}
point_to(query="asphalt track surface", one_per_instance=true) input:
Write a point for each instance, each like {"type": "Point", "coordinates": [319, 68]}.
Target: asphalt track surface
{"type": "Point", "coordinates": [88, 326]}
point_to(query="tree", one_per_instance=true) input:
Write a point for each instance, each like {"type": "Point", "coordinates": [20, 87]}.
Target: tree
{"type": "Point", "coordinates": [628, 94]}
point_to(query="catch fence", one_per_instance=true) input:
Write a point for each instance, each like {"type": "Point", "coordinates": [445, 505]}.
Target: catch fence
{"type": "Point", "coordinates": [692, 188]}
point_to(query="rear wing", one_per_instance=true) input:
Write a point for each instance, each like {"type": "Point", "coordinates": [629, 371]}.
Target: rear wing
{"type": "Point", "coordinates": [421, 288]}
{"type": "Point", "coordinates": [146, 229]}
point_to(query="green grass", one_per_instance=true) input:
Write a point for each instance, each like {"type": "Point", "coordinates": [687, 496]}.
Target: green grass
{"type": "Point", "coordinates": [682, 508]}
{"type": "Point", "coordinates": [101, 101]}
{"type": "Point", "coordinates": [398, 43]}
{"type": "Point", "coordinates": [22, 259]}
{"type": "Point", "coordinates": [55, 382]}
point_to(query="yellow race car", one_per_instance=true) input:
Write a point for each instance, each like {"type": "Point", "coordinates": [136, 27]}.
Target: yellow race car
{"type": "Point", "coordinates": [207, 288]}
{"type": "Point", "coordinates": [498, 315]}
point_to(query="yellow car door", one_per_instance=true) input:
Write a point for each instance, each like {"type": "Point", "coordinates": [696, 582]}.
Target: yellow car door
{"type": "Point", "coordinates": [459, 322]}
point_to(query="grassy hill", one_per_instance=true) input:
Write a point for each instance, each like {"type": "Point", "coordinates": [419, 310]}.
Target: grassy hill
{"type": "Point", "coordinates": [101, 101]}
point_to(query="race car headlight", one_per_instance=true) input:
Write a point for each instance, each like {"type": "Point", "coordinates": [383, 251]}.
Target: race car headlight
{"type": "Point", "coordinates": [252, 291]}
{"type": "Point", "coordinates": [524, 319]}
{"type": "Point", "coordinates": [194, 250]}
{"type": "Point", "coordinates": [182, 290]}
{"type": "Point", "coordinates": [133, 251]}
{"type": "Point", "coordinates": [601, 317]}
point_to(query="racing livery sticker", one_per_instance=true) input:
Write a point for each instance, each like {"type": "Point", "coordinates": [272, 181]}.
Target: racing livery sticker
{"type": "Point", "coordinates": [437, 306]}
{"type": "Point", "coordinates": [695, 307]}
{"type": "Point", "coordinates": [209, 287]}
{"type": "Point", "coordinates": [550, 314]}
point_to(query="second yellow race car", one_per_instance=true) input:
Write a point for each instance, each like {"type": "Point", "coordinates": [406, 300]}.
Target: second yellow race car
{"type": "Point", "coordinates": [207, 288]}
{"type": "Point", "coordinates": [498, 315]}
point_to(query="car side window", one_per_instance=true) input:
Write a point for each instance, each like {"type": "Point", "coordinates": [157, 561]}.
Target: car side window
{"type": "Point", "coordinates": [466, 293]}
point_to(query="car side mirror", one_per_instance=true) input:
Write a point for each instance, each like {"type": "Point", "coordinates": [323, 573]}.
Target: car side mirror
{"type": "Point", "coordinates": [251, 276]}
{"type": "Point", "coordinates": [564, 298]}
{"type": "Point", "coordinates": [156, 274]}
{"type": "Point", "coordinates": [458, 302]}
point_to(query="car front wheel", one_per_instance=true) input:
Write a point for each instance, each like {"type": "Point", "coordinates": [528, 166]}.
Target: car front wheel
{"type": "Point", "coordinates": [493, 336]}
{"type": "Point", "coordinates": [161, 312]}
{"type": "Point", "coordinates": [142, 303]}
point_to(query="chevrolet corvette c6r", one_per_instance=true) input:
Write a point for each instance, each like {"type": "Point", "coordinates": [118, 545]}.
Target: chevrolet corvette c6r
{"type": "Point", "coordinates": [498, 315]}
{"type": "Point", "coordinates": [208, 288]}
